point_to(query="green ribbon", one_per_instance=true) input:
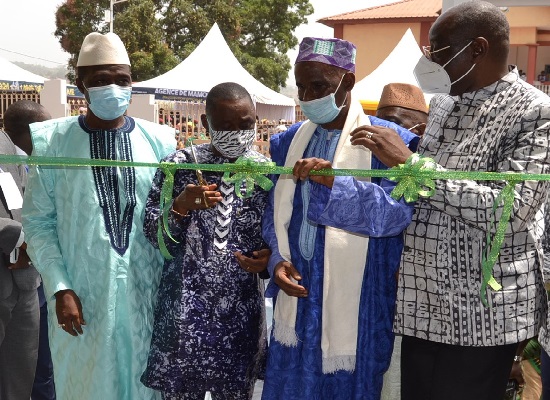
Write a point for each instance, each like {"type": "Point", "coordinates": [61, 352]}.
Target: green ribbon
{"type": "Point", "coordinates": [165, 204]}
{"type": "Point", "coordinates": [248, 178]}
{"type": "Point", "coordinates": [265, 168]}
{"type": "Point", "coordinates": [492, 250]}
{"type": "Point", "coordinates": [415, 179]}
{"type": "Point", "coordinates": [412, 184]}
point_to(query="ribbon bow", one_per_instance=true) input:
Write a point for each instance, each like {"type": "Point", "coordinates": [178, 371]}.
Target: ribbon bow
{"type": "Point", "coordinates": [246, 175]}
{"type": "Point", "coordinates": [412, 178]}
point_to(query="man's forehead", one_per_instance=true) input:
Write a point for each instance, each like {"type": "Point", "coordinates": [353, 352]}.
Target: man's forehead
{"type": "Point", "coordinates": [313, 70]}
{"type": "Point", "coordinates": [241, 102]}
{"type": "Point", "coordinates": [107, 69]}
{"type": "Point", "coordinates": [443, 28]}
{"type": "Point", "coordinates": [237, 108]}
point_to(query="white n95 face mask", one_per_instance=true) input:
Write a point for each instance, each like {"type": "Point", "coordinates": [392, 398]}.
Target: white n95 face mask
{"type": "Point", "coordinates": [432, 77]}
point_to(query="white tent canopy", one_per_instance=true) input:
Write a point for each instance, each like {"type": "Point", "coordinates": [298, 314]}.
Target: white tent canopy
{"type": "Point", "coordinates": [13, 73]}
{"type": "Point", "coordinates": [396, 68]}
{"type": "Point", "coordinates": [211, 63]}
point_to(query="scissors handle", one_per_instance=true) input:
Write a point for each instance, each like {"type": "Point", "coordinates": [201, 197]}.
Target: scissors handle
{"type": "Point", "coordinates": [201, 179]}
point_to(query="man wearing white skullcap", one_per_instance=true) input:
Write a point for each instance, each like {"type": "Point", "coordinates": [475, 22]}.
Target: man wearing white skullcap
{"type": "Point", "coordinates": [84, 228]}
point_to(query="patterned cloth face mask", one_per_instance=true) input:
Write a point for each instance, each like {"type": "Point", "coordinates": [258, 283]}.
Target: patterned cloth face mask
{"type": "Point", "coordinates": [233, 144]}
{"type": "Point", "coordinates": [109, 102]}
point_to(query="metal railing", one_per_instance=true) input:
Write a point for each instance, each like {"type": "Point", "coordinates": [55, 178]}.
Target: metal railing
{"type": "Point", "coordinates": [8, 98]}
{"type": "Point", "coordinates": [185, 118]}
{"type": "Point", "coordinates": [543, 88]}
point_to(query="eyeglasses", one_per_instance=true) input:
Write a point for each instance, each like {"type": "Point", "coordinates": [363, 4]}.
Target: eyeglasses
{"type": "Point", "coordinates": [416, 126]}
{"type": "Point", "coordinates": [428, 50]}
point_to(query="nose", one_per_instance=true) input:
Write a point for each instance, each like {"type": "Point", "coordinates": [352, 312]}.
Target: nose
{"type": "Point", "coordinates": [305, 96]}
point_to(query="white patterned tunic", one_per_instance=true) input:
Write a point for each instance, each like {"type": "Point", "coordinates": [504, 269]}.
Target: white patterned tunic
{"type": "Point", "coordinates": [502, 127]}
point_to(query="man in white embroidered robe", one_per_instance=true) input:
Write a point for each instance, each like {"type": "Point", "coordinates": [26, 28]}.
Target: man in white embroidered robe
{"type": "Point", "coordinates": [85, 232]}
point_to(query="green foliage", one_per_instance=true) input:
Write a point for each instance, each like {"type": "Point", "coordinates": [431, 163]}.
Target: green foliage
{"type": "Point", "coordinates": [160, 33]}
{"type": "Point", "coordinates": [74, 19]}
{"type": "Point", "coordinates": [141, 32]}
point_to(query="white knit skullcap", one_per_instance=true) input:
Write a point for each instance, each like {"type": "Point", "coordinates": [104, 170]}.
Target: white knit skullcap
{"type": "Point", "coordinates": [99, 49]}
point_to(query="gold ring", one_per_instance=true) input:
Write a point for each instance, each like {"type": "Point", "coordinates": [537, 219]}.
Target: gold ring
{"type": "Point", "coordinates": [198, 200]}
{"type": "Point", "coordinates": [61, 325]}
{"type": "Point", "coordinates": [369, 135]}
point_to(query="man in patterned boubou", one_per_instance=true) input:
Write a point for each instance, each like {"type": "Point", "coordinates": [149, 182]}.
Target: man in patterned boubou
{"type": "Point", "coordinates": [336, 242]}
{"type": "Point", "coordinates": [209, 332]}
{"type": "Point", "coordinates": [455, 347]}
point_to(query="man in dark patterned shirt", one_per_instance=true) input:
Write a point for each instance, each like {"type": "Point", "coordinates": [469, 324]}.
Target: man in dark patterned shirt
{"type": "Point", "coordinates": [455, 347]}
{"type": "Point", "coordinates": [209, 332]}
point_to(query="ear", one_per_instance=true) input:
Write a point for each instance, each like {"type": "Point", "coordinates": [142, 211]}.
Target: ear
{"type": "Point", "coordinates": [80, 86]}
{"type": "Point", "coordinates": [420, 129]}
{"type": "Point", "coordinates": [349, 81]}
{"type": "Point", "coordinates": [480, 49]}
{"type": "Point", "coordinates": [205, 122]}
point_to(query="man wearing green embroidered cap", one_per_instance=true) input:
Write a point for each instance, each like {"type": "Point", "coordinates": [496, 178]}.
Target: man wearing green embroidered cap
{"type": "Point", "coordinates": [459, 340]}
{"type": "Point", "coordinates": [84, 231]}
{"type": "Point", "coordinates": [332, 336]}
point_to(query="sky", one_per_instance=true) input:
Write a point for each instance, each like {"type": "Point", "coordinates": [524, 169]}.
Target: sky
{"type": "Point", "coordinates": [28, 27]}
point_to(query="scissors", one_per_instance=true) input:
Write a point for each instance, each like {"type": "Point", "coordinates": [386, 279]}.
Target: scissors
{"type": "Point", "coordinates": [200, 178]}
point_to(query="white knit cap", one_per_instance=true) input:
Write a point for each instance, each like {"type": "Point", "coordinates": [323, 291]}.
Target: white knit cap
{"type": "Point", "coordinates": [99, 49]}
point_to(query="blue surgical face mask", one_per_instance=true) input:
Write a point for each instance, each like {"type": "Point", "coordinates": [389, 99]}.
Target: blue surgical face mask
{"type": "Point", "coordinates": [109, 102]}
{"type": "Point", "coordinates": [324, 110]}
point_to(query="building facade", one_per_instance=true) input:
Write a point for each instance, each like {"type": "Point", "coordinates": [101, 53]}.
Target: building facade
{"type": "Point", "coordinates": [377, 30]}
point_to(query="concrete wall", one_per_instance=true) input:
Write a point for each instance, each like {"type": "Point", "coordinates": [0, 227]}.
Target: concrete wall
{"type": "Point", "coordinates": [54, 97]}
{"type": "Point", "coordinates": [518, 56]}
{"type": "Point", "coordinates": [375, 42]}
{"type": "Point", "coordinates": [528, 16]}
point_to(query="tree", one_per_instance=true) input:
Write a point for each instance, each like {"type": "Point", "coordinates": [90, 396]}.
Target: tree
{"type": "Point", "coordinates": [136, 25]}
{"type": "Point", "coordinates": [160, 33]}
{"type": "Point", "coordinates": [143, 37]}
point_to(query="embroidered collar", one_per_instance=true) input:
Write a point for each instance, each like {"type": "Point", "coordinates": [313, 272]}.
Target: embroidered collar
{"type": "Point", "coordinates": [112, 145]}
{"type": "Point", "coordinates": [128, 126]}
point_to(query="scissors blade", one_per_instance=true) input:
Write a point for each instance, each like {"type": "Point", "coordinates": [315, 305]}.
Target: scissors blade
{"type": "Point", "coordinates": [200, 178]}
